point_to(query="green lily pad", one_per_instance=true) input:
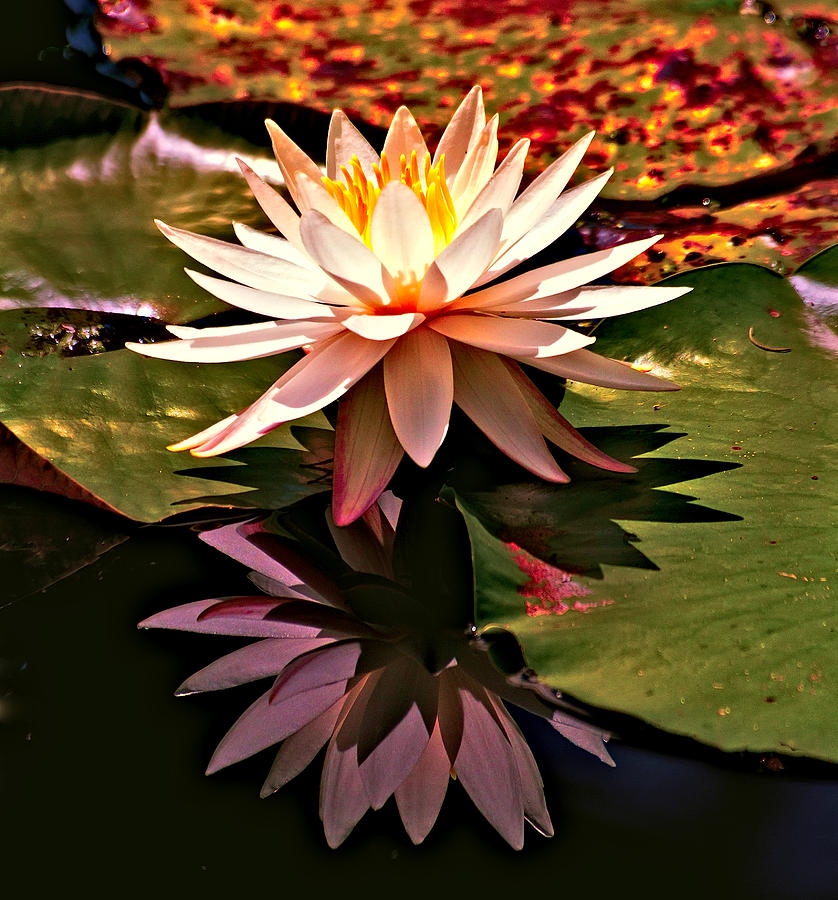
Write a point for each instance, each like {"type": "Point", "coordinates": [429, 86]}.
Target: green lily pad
{"type": "Point", "coordinates": [106, 419]}
{"type": "Point", "coordinates": [77, 219]}
{"type": "Point", "coordinates": [709, 612]}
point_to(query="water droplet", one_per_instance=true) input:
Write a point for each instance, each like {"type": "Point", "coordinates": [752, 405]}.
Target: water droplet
{"type": "Point", "coordinates": [770, 17]}
{"type": "Point", "coordinates": [705, 201]}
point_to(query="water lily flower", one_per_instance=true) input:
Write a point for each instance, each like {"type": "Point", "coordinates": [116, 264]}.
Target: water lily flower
{"type": "Point", "coordinates": [400, 705]}
{"type": "Point", "coordinates": [388, 271]}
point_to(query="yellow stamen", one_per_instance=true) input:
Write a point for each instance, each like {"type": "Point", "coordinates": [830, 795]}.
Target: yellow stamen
{"type": "Point", "coordinates": [357, 193]}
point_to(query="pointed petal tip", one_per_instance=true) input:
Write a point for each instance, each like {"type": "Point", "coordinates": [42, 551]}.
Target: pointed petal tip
{"type": "Point", "coordinates": [266, 791]}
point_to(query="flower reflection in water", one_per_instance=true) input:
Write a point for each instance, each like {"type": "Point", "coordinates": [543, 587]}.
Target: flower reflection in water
{"type": "Point", "coordinates": [394, 684]}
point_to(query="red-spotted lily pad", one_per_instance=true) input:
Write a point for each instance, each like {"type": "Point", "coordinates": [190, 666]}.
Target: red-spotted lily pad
{"type": "Point", "coordinates": [679, 93]}
{"type": "Point", "coordinates": [699, 594]}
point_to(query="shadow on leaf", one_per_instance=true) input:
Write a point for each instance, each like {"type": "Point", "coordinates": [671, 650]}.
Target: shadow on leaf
{"type": "Point", "coordinates": [574, 526]}
{"type": "Point", "coordinates": [270, 477]}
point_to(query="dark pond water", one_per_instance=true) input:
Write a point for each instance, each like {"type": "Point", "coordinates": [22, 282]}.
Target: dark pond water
{"type": "Point", "coordinates": [101, 768]}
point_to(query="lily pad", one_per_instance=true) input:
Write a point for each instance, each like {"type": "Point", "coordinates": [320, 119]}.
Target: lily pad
{"type": "Point", "coordinates": [105, 421]}
{"type": "Point", "coordinates": [77, 222]}
{"type": "Point", "coordinates": [719, 625]}
{"type": "Point", "coordinates": [679, 93]}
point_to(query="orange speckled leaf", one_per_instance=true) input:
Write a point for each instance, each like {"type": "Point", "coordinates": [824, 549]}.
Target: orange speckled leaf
{"type": "Point", "coordinates": [700, 93]}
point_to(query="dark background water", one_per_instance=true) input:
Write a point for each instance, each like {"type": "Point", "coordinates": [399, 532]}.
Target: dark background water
{"type": "Point", "coordinates": [101, 783]}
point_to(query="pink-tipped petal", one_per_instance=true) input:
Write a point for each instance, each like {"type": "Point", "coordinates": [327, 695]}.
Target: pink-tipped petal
{"type": "Point", "coordinates": [403, 137]}
{"type": "Point", "coordinates": [499, 191]}
{"type": "Point", "coordinates": [345, 141]}
{"type": "Point", "coordinates": [588, 367]}
{"type": "Point", "coordinates": [343, 799]}
{"type": "Point", "coordinates": [237, 342]}
{"type": "Point", "coordinates": [263, 723]}
{"type": "Point", "coordinates": [263, 659]}
{"type": "Point", "coordinates": [187, 618]}
{"type": "Point", "coordinates": [400, 233]}
{"type": "Point", "coordinates": [461, 132]}
{"type": "Point", "coordinates": [292, 161]}
{"type": "Point", "coordinates": [557, 429]}
{"type": "Point", "coordinates": [399, 716]}
{"type": "Point", "coordinates": [532, 787]}
{"type": "Point", "coordinates": [513, 337]}
{"type": "Point", "coordinates": [460, 264]}
{"type": "Point", "coordinates": [419, 382]}
{"type": "Point", "coordinates": [346, 258]}
{"type": "Point", "coordinates": [487, 394]}
{"type": "Point", "coordinates": [319, 667]}
{"type": "Point", "coordinates": [286, 220]}
{"type": "Point", "coordinates": [324, 375]}
{"type": "Point", "coordinates": [256, 270]}
{"type": "Point", "coordinates": [561, 215]}
{"type": "Point", "coordinates": [367, 451]}
{"type": "Point", "coordinates": [419, 797]}
{"type": "Point", "coordinates": [486, 765]}
{"type": "Point", "coordinates": [584, 736]}
{"type": "Point", "coordinates": [300, 748]}
{"type": "Point", "coordinates": [359, 547]}
{"type": "Point", "coordinates": [382, 328]}
{"type": "Point", "coordinates": [558, 277]}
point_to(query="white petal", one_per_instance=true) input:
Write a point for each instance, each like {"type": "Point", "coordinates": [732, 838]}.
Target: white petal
{"type": "Point", "coordinates": [594, 302]}
{"type": "Point", "coordinates": [561, 215]}
{"type": "Point", "coordinates": [238, 342]}
{"type": "Point", "coordinates": [500, 190]}
{"type": "Point", "coordinates": [461, 132]}
{"type": "Point", "coordinates": [558, 277]}
{"type": "Point", "coordinates": [344, 142]}
{"type": "Point", "coordinates": [347, 259]}
{"type": "Point", "coordinates": [460, 264]}
{"type": "Point", "coordinates": [382, 328]}
{"type": "Point", "coordinates": [257, 270]}
{"type": "Point", "coordinates": [487, 394]}
{"type": "Point", "coordinates": [264, 303]}
{"type": "Point", "coordinates": [272, 245]}
{"type": "Point", "coordinates": [540, 195]}
{"type": "Point", "coordinates": [477, 168]}
{"type": "Point", "coordinates": [403, 137]}
{"type": "Point", "coordinates": [419, 381]}
{"type": "Point", "coordinates": [286, 220]}
{"type": "Point", "coordinates": [512, 337]}
{"type": "Point", "coordinates": [322, 376]}
{"type": "Point", "coordinates": [367, 451]}
{"type": "Point", "coordinates": [201, 437]}
{"type": "Point", "coordinates": [312, 195]}
{"type": "Point", "coordinates": [292, 160]}
{"type": "Point", "coordinates": [588, 367]}
{"type": "Point", "coordinates": [401, 234]}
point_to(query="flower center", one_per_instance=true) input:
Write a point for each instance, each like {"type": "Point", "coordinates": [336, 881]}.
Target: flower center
{"type": "Point", "coordinates": [357, 194]}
